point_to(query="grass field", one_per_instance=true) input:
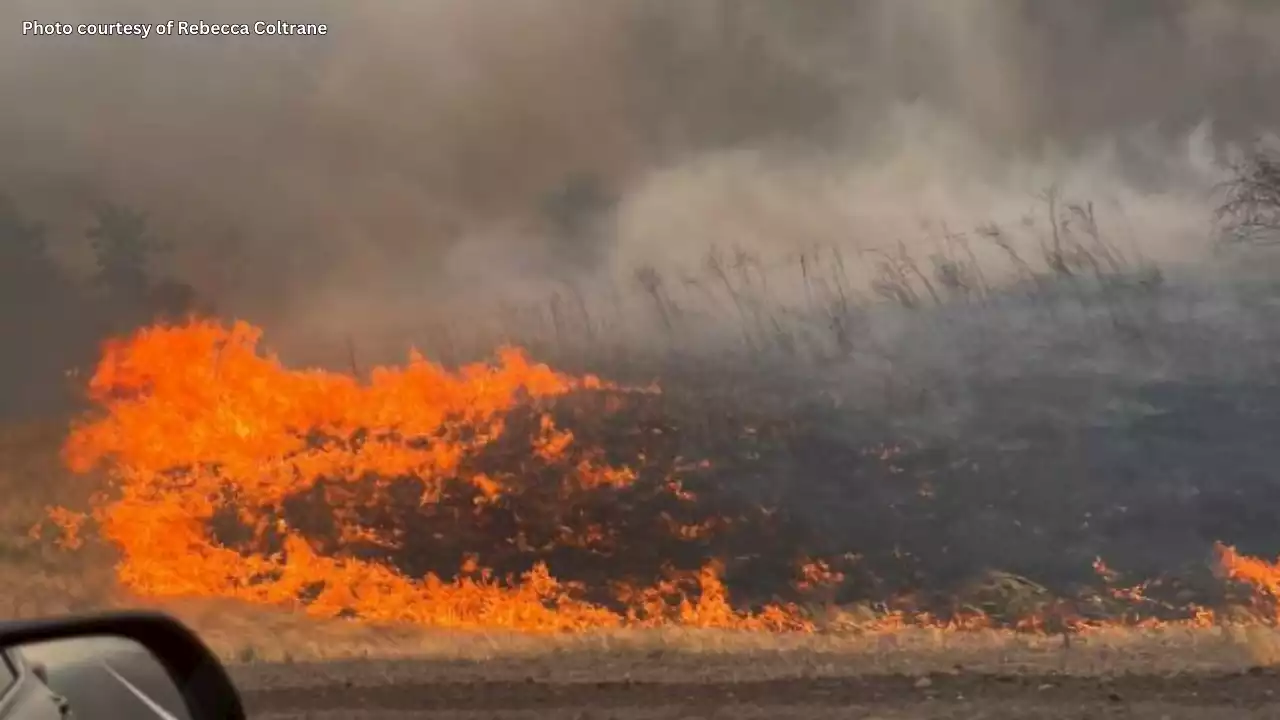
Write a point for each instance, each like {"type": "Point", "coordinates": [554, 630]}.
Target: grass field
{"type": "Point", "coordinates": [1091, 407]}
{"type": "Point", "coordinates": [289, 666]}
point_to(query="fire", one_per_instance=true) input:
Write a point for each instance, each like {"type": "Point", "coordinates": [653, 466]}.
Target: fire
{"type": "Point", "coordinates": [460, 499]}
{"type": "Point", "coordinates": [1262, 576]}
{"type": "Point", "coordinates": [196, 424]}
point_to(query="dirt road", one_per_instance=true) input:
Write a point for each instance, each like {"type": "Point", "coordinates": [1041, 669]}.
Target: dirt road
{"type": "Point", "coordinates": [1253, 694]}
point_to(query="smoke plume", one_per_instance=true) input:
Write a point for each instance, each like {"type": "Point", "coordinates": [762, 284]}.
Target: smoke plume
{"type": "Point", "coordinates": [426, 159]}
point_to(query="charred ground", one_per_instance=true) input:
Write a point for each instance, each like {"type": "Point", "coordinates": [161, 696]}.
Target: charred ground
{"type": "Point", "coordinates": [940, 522]}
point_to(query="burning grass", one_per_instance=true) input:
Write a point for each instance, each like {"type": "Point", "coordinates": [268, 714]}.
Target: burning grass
{"type": "Point", "coordinates": [238, 478]}
{"type": "Point", "coordinates": [509, 496]}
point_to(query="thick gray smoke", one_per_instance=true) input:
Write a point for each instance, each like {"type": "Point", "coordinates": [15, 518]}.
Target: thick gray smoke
{"type": "Point", "coordinates": [424, 159]}
{"type": "Point", "coordinates": [935, 278]}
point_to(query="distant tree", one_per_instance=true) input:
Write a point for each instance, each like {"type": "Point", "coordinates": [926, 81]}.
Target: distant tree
{"type": "Point", "coordinates": [123, 250]}
{"type": "Point", "coordinates": [1250, 207]}
{"type": "Point", "coordinates": [173, 300]}
{"type": "Point", "coordinates": [40, 319]}
{"type": "Point", "coordinates": [26, 267]}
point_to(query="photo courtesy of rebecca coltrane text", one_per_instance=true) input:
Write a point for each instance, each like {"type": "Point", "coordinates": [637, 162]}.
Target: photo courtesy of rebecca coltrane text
{"type": "Point", "coordinates": [173, 28]}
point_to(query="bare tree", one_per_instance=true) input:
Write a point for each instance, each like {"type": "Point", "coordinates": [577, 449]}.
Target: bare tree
{"type": "Point", "coordinates": [1250, 209]}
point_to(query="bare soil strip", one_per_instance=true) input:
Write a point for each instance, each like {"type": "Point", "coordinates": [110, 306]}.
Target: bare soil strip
{"type": "Point", "coordinates": [1254, 690]}
{"type": "Point", "coordinates": [1016, 710]}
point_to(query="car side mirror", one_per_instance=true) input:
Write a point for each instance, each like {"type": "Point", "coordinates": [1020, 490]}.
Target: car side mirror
{"type": "Point", "coordinates": [147, 664]}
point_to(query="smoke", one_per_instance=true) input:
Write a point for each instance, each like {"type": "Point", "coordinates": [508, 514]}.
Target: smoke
{"type": "Point", "coordinates": [425, 159]}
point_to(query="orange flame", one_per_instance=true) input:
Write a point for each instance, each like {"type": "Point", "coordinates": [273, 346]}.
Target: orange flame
{"type": "Point", "coordinates": [194, 423]}
{"type": "Point", "coordinates": [195, 419]}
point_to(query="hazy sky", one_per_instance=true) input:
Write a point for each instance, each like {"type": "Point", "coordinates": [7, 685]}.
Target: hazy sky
{"type": "Point", "coordinates": [401, 164]}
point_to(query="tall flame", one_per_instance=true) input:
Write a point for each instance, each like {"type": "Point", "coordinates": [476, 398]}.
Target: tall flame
{"type": "Point", "coordinates": [195, 420]}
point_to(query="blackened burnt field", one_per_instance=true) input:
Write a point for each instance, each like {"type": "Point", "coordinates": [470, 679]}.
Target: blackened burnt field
{"type": "Point", "coordinates": [940, 526]}
{"type": "Point", "coordinates": [1028, 494]}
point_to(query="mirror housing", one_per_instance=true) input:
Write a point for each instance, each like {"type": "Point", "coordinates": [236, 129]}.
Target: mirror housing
{"type": "Point", "coordinates": [194, 669]}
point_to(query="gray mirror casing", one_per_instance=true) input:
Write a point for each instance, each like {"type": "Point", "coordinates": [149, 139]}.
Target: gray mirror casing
{"type": "Point", "coordinates": [205, 685]}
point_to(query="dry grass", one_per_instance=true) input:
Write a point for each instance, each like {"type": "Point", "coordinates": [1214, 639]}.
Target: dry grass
{"type": "Point", "coordinates": [44, 580]}
{"type": "Point", "coordinates": [697, 656]}
{"type": "Point", "coordinates": [39, 578]}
